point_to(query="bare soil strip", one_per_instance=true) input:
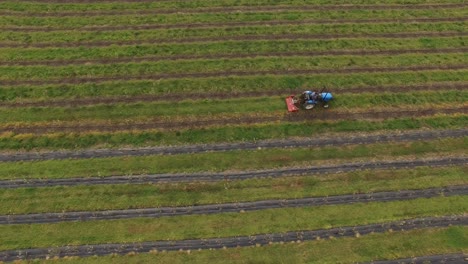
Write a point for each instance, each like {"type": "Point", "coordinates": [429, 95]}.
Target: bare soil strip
{"type": "Point", "coordinates": [229, 56]}
{"type": "Point", "coordinates": [244, 120]}
{"type": "Point", "coordinates": [181, 75]}
{"type": "Point", "coordinates": [230, 176]}
{"type": "Point", "coordinates": [231, 242]}
{"type": "Point", "coordinates": [283, 143]}
{"type": "Point", "coordinates": [104, 43]}
{"type": "Point", "coordinates": [231, 9]}
{"type": "Point", "coordinates": [448, 258]}
{"type": "Point", "coordinates": [231, 24]}
{"type": "Point", "coordinates": [175, 97]}
{"type": "Point", "coordinates": [232, 207]}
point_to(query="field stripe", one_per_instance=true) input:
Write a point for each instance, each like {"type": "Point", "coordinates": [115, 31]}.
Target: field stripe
{"type": "Point", "coordinates": [161, 76]}
{"type": "Point", "coordinates": [447, 258]}
{"type": "Point", "coordinates": [230, 9]}
{"type": "Point", "coordinates": [164, 125]}
{"type": "Point", "coordinates": [287, 143]}
{"type": "Point", "coordinates": [401, 195]}
{"type": "Point", "coordinates": [231, 38]}
{"type": "Point", "coordinates": [212, 177]}
{"type": "Point", "coordinates": [230, 242]}
{"type": "Point", "coordinates": [230, 24]}
{"type": "Point", "coordinates": [56, 63]}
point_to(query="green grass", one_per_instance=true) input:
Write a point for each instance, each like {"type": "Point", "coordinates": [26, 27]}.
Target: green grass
{"type": "Point", "coordinates": [335, 82]}
{"type": "Point", "coordinates": [221, 134]}
{"type": "Point", "coordinates": [161, 19]}
{"type": "Point", "coordinates": [224, 225]}
{"type": "Point", "coordinates": [176, 34]}
{"type": "Point", "coordinates": [245, 47]}
{"type": "Point", "coordinates": [246, 64]}
{"type": "Point", "coordinates": [223, 161]}
{"type": "Point", "coordinates": [206, 108]}
{"type": "Point", "coordinates": [106, 197]}
{"type": "Point", "coordinates": [55, 7]}
{"type": "Point", "coordinates": [387, 246]}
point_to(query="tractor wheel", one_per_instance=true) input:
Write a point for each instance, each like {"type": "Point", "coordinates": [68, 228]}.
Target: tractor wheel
{"type": "Point", "coordinates": [309, 106]}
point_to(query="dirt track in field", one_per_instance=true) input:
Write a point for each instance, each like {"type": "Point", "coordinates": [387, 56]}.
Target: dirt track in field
{"type": "Point", "coordinates": [174, 97]}
{"type": "Point", "coordinates": [161, 76]}
{"type": "Point", "coordinates": [455, 258]}
{"type": "Point", "coordinates": [302, 116]}
{"type": "Point", "coordinates": [58, 63]}
{"type": "Point", "coordinates": [231, 24]}
{"type": "Point", "coordinates": [233, 242]}
{"type": "Point", "coordinates": [231, 176]}
{"type": "Point", "coordinates": [319, 141]}
{"type": "Point", "coordinates": [243, 9]}
{"type": "Point", "coordinates": [400, 195]}
{"type": "Point", "coordinates": [103, 43]}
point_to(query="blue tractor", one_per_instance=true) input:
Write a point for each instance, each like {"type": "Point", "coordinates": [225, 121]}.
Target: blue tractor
{"type": "Point", "coordinates": [309, 99]}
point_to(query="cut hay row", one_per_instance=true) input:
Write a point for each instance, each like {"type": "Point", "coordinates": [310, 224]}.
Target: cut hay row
{"type": "Point", "coordinates": [401, 195]}
{"type": "Point", "coordinates": [26, 24]}
{"type": "Point", "coordinates": [139, 196]}
{"type": "Point", "coordinates": [303, 232]}
{"type": "Point", "coordinates": [240, 133]}
{"type": "Point", "coordinates": [194, 7]}
{"type": "Point", "coordinates": [319, 141]}
{"type": "Point", "coordinates": [329, 31]}
{"type": "Point", "coordinates": [63, 56]}
{"type": "Point", "coordinates": [168, 123]}
{"type": "Point", "coordinates": [176, 97]}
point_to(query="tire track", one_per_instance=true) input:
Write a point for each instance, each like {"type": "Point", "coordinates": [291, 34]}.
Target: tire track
{"type": "Point", "coordinates": [243, 120]}
{"type": "Point", "coordinates": [232, 207]}
{"type": "Point", "coordinates": [174, 97]}
{"type": "Point", "coordinates": [104, 43]}
{"type": "Point", "coordinates": [56, 63]}
{"type": "Point", "coordinates": [265, 144]}
{"type": "Point", "coordinates": [231, 242]}
{"type": "Point", "coordinates": [448, 258]}
{"type": "Point", "coordinates": [232, 9]}
{"type": "Point", "coordinates": [181, 75]}
{"type": "Point", "coordinates": [224, 176]}
{"type": "Point", "coordinates": [230, 24]}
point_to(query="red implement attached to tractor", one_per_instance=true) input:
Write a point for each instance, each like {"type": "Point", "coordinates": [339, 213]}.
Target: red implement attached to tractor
{"type": "Point", "coordinates": [290, 103]}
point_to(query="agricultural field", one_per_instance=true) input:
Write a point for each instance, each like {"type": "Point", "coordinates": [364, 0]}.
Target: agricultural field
{"type": "Point", "coordinates": [138, 131]}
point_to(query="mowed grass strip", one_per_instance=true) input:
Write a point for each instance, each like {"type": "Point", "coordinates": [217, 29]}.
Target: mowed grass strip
{"type": "Point", "coordinates": [111, 197]}
{"type": "Point", "coordinates": [122, 6]}
{"type": "Point", "coordinates": [218, 108]}
{"type": "Point", "coordinates": [226, 224]}
{"type": "Point", "coordinates": [231, 84]}
{"type": "Point", "coordinates": [240, 133]}
{"type": "Point", "coordinates": [217, 34]}
{"type": "Point", "coordinates": [254, 65]}
{"type": "Point", "coordinates": [171, 19]}
{"type": "Point", "coordinates": [226, 161]}
{"type": "Point", "coordinates": [232, 48]}
{"type": "Point", "coordinates": [372, 247]}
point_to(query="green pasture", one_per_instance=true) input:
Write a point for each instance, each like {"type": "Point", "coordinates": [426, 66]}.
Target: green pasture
{"type": "Point", "coordinates": [226, 224]}
{"type": "Point", "coordinates": [237, 160]}
{"type": "Point", "coordinates": [111, 197]}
